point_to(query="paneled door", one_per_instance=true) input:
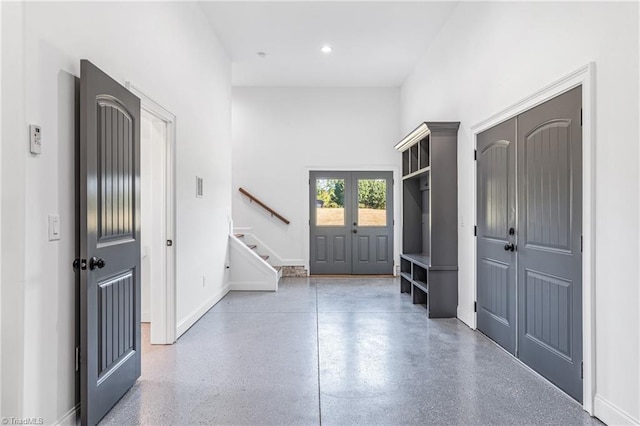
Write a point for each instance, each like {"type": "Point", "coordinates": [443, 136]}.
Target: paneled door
{"type": "Point", "coordinates": [109, 242]}
{"type": "Point", "coordinates": [351, 222]}
{"type": "Point", "coordinates": [549, 240]}
{"type": "Point", "coordinates": [529, 255]}
{"type": "Point", "coordinates": [372, 231]}
{"type": "Point", "coordinates": [496, 264]}
{"type": "Point", "coordinates": [330, 222]}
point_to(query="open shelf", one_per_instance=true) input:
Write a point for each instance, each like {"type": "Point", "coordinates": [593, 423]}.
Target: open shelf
{"type": "Point", "coordinates": [415, 159]}
{"type": "Point", "coordinates": [429, 259]}
{"type": "Point", "coordinates": [421, 259]}
{"type": "Point", "coordinates": [417, 173]}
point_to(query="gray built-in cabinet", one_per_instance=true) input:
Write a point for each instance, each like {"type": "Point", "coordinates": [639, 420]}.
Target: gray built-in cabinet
{"type": "Point", "coordinates": [429, 258]}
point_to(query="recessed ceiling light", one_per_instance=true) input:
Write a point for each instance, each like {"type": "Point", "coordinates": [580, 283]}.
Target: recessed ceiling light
{"type": "Point", "coordinates": [326, 49]}
{"type": "Point", "coordinates": [261, 54]}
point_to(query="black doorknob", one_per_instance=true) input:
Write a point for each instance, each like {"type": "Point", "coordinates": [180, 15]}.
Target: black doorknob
{"type": "Point", "coordinates": [355, 231]}
{"type": "Point", "coordinates": [509, 247]}
{"type": "Point", "coordinates": [96, 263]}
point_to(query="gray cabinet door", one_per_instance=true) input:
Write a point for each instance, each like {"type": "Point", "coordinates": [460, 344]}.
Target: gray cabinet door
{"type": "Point", "coordinates": [549, 240]}
{"type": "Point", "coordinates": [351, 222]}
{"type": "Point", "coordinates": [109, 242]}
{"type": "Point", "coordinates": [496, 267]}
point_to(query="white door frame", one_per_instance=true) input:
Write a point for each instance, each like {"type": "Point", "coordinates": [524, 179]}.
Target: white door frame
{"type": "Point", "coordinates": [397, 209]}
{"type": "Point", "coordinates": [584, 76]}
{"type": "Point", "coordinates": [163, 307]}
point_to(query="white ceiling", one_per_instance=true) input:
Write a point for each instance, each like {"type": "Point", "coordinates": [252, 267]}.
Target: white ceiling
{"type": "Point", "coordinates": [375, 43]}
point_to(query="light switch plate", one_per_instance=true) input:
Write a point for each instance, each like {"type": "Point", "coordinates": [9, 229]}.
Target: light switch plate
{"type": "Point", "coordinates": [54, 227]}
{"type": "Point", "coordinates": [35, 139]}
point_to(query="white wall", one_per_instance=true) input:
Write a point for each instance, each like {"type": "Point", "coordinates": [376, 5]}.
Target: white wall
{"type": "Point", "coordinates": [0, 213]}
{"type": "Point", "coordinates": [489, 56]}
{"type": "Point", "coordinates": [279, 133]}
{"type": "Point", "coordinates": [14, 146]}
{"type": "Point", "coordinates": [170, 53]}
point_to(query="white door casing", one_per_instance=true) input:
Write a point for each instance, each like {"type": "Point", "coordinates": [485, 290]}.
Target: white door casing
{"type": "Point", "coordinates": [163, 297]}
{"type": "Point", "coordinates": [585, 77]}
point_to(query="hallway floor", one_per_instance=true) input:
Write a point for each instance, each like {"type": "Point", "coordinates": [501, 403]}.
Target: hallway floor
{"type": "Point", "coordinates": [336, 351]}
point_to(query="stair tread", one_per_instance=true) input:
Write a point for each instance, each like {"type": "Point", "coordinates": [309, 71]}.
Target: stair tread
{"type": "Point", "coordinates": [264, 256]}
{"type": "Point", "coordinates": [238, 235]}
{"type": "Point", "coordinates": [252, 246]}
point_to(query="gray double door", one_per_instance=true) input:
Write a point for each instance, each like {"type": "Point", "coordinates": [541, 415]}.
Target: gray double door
{"type": "Point", "coordinates": [351, 222]}
{"type": "Point", "coordinates": [529, 255]}
{"type": "Point", "coordinates": [109, 263]}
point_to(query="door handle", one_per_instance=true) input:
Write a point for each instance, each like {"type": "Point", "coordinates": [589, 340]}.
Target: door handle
{"type": "Point", "coordinates": [80, 264]}
{"type": "Point", "coordinates": [96, 263]}
{"type": "Point", "coordinates": [355, 231]}
{"type": "Point", "coordinates": [509, 247]}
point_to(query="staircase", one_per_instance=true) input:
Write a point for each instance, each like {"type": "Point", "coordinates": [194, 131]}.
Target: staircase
{"type": "Point", "coordinates": [264, 257]}
{"type": "Point", "coordinates": [249, 270]}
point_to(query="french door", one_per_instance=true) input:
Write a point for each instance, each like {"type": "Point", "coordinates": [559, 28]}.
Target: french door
{"type": "Point", "coordinates": [351, 222]}
{"type": "Point", "coordinates": [529, 234]}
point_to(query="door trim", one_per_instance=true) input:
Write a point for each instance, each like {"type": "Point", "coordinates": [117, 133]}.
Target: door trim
{"type": "Point", "coordinates": [584, 76]}
{"type": "Point", "coordinates": [397, 188]}
{"type": "Point", "coordinates": [165, 328]}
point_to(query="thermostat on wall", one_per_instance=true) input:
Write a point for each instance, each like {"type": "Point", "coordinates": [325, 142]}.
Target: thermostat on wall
{"type": "Point", "coordinates": [36, 139]}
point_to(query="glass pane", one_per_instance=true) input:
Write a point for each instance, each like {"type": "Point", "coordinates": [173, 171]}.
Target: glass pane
{"type": "Point", "coordinates": [329, 202]}
{"type": "Point", "coordinates": [372, 202]}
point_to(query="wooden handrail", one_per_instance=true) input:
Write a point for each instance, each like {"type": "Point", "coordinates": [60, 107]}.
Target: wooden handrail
{"type": "Point", "coordinates": [264, 206]}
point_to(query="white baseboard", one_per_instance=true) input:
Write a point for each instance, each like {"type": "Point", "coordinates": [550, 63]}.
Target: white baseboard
{"type": "Point", "coordinates": [186, 323]}
{"type": "Point", "coordinates": [252, 286]}
{"type": "Point", "coordinates": [466, 316]}
{"type": "Point", "coordinates": [610, 414]}
{"type": "Point", "coordinates": [72, 418]}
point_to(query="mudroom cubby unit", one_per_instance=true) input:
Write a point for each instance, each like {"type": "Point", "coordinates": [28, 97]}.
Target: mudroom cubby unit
{"type": "Point", "coordinates": [429, 258]}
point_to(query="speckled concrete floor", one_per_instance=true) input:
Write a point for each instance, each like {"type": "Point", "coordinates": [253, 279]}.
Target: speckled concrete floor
{"type": "Point", "coordinates": [336, 352]}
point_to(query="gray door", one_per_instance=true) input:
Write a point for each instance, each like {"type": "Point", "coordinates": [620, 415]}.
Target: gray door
{"type": "Point", "coordinates": [549, 240]}
{"type": "Point", "coordinates": [496, 266]}
{"type": "Point", "coordinates": [372, 222]}
{"type": "Point", "coordinates": [534, 310]}
{"type": "Point", "coordinates": [351, 222]}
{"type": "Point", "coordinates": [109, 242]}
{"type": "Point", "coordinates": [330, 227]}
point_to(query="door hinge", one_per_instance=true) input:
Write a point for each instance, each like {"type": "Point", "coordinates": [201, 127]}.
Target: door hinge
{"type": "Point", "coordinates": [475, 306]}
{"type": "Point", "coordinates": [475, 230]}
{"type": "Point", "coordinates": [475, 154]}
{"type": "Point", "coordinates": [77, 358]}
{"type": "Point", "coordinates": [169, 243]}
{"type": "Point", "coordinates": [582, 369]}
{"type": "Point", "coordinates": [581, 244]}
{"type": "Point", "coordinates": [581, 116]}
